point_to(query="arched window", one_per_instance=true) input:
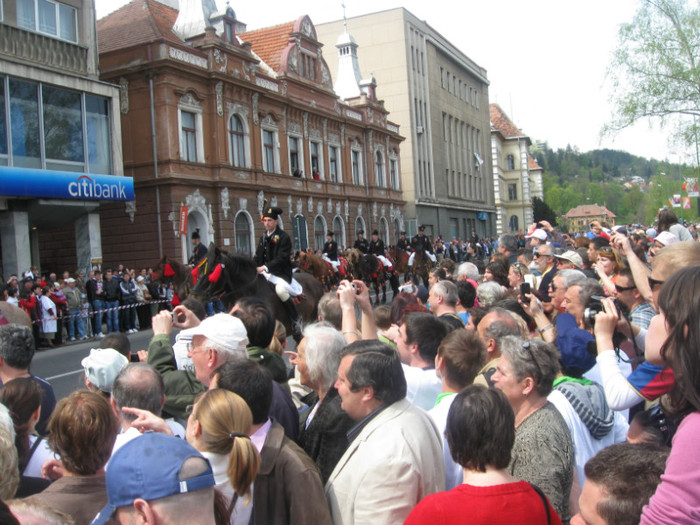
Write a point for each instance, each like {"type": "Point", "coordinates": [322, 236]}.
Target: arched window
{"type": "Point", "coordinates": [397, 231]}
{"type": "Point", "coordinates": [237, 135]}
{"type": "Point", "coordinates": [339, 231]}
{"type": "Point", "coordinates": [513, 223]}
{"type": "Point", "coordinates": [384, 230]}
{"type": "Point", "coordinates": [319, 232]}
{"type": "Point", "coordinates": [359, 225]}
{"type": "Point", "coordinates": [379, 168]}
{"type": "Point", "coordinates": [243, 233]}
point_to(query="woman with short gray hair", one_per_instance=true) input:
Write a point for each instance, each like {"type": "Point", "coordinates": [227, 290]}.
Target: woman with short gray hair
{"type": "Point", "coordinates": [543, 453]}
{"type": "Point", "coordinates": [324, 425]}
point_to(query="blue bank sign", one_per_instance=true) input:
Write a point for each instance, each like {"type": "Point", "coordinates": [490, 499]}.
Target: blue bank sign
{"type": "Point", "coordinates": [21, 182]}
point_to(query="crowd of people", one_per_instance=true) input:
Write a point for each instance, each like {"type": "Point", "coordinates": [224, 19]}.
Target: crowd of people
{"type": "Point", "coordinates": [552, 383]}
{"type": "Point", "coordinates": [76, 308]}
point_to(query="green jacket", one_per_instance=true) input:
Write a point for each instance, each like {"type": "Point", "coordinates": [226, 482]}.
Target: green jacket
{"type": "Point", "coordinates": [272, 361]}
{"type": "Point", "coordinates": [181, 386]}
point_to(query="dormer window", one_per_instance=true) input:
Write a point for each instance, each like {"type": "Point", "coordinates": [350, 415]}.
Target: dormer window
{"type": "Point", "coordinates": [229, 31]}
{"type": "Point", "coordinates": [308, 66]}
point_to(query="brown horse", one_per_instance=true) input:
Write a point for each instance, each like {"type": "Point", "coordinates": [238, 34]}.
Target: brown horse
{"type": "Point", "coordinates": [422, 264]}
{"type": "Point", "coordinates": [169, 270]}
{"type": "Point", "coordinates": [400, 260]}
{"type": "Point", "coordinates": [319, 268]}
{"type": "Point", "coordinates": [230, 276]}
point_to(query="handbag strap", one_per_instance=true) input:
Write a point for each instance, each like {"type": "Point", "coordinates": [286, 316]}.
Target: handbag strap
{"type": "Point", "coordinates": [544, 502]}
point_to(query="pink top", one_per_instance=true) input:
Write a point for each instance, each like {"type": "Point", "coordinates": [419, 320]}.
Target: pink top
{"type": "Point", "coordinates": [677, 500]}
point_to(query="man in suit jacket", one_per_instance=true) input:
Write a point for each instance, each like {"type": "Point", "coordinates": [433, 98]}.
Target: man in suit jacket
{"type": "Point", "coordinates": [273, 257]}
{"type": "Point", "coordinates": [395, 454]}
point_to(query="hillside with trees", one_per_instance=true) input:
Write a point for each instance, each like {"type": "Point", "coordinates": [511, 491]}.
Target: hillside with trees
{"type": "Point", "coordinates": [632, 187]}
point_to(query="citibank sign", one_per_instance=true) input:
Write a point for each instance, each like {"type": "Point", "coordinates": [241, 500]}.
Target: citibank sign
{"type": "Point", "coordinates": [21, 182]}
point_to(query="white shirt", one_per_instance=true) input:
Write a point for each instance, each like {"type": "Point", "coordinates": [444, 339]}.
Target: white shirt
{"type": "Point", "coordinates": [453, 470]}
{"type": "Point", "coordinates": [585, 445]}
{"type": "Point", "coordinates": [41, 454]}
{"type": "Point", "coordinates": [423, 386]}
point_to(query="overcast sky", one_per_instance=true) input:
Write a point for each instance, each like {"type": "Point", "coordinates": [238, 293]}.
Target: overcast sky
{"type": "Point", "coordinates": [546, 59]}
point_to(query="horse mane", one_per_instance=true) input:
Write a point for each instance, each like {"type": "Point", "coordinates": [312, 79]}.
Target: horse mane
{"type": "Point", "coordinates": [368, 265]}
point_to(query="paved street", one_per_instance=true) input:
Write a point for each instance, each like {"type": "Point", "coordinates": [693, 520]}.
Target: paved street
{"type": "Point", "coordinates": [61, 366]}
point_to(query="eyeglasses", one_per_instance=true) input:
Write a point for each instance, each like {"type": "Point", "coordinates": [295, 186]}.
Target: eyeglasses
{"type": "Point", "coordinates": [654, 282]}
{"type": "Point", "coordinates": [621, 289]}
{"type": "Point", "coordinates": [537, 255]}
{"type": "Point", "coordinates": [527, 346]}
{"type": "Point", "coordinates": [552, 287]}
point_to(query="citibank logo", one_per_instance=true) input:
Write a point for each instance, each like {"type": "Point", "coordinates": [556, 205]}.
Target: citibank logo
{"type": "Point", "coordinates": [87, 188]}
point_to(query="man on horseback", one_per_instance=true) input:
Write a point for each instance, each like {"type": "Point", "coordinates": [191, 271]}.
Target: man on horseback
{"type": "Point", "coordinates": [403, 243]}
{"type": "Point", "coordinates": [199, 251]}
{"type": "Point", "coordinates": [376, 248]}
{"type": "Point", "coordinates": [421, 242]}
{"type": "Point", "coordinates": [273, 257]}
{"type": "Point", "coordinates": [330, 251]}
{"type": "Point", "coordinates": [361, 243]}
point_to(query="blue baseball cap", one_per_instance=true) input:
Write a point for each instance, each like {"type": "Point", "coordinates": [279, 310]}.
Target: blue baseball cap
{"type": "Point", "coordinates": [148, 467]}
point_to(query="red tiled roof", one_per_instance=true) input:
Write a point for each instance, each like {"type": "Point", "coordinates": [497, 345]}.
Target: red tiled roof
{"type": "Point", "coordinates": [138, 22]}
{"type": "Point", "coordinates": [501, 122]}
{"type": "Point", "coordinates": [269, 42]}
{"type": "Point", "coordinates": [589, 210]}
{"type": "Point", "coordinates": [532, 163]}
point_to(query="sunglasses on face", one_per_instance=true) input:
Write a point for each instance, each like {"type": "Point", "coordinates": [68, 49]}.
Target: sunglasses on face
{"type": "Point", "coordinates": [621, 289]}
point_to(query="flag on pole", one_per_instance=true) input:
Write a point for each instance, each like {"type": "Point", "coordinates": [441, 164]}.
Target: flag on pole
{"type": "Point", "coordinates": [686, 203]}
{"type": "Point", "coordinates": [676, 200]}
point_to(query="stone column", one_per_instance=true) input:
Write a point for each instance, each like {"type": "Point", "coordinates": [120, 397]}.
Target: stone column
{"type": "Point", "coordinates": [16, 251]}
{"type": "Point", "coordinates": [88, 240]}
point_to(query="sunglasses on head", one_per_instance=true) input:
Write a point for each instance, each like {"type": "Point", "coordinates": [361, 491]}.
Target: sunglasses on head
{"type": "Point", "coordinates": [654, 282]}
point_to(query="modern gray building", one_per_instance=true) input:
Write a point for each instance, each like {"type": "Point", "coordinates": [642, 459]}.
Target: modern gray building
{"type": "Point", "coordinates": [60, 137]}
{"type": "Point", "coordinates": [439, 98]}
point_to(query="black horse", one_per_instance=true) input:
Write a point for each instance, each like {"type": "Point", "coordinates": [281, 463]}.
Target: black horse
{"type": "Point", "coordinates": [370, 270]}
{"type": "Point", "coordinates": [230, 276]}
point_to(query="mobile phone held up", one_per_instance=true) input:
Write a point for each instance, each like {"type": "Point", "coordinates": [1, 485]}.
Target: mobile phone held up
{"type": "Point", "coordinates": [524, 289]}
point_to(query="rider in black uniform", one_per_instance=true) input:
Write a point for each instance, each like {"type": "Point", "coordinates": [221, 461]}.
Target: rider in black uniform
{"type": "Point", "coordinates": [361, 243]}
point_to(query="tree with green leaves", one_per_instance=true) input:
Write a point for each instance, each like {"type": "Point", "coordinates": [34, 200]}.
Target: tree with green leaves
{"type": "Point", "coordinates": [655, 71]}
{"type": "Point", "coordinates": [542, 211]}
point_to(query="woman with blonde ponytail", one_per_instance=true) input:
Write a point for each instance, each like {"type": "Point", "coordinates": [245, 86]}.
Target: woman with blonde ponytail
{"type": "Point", "coordinates": [219, 428]}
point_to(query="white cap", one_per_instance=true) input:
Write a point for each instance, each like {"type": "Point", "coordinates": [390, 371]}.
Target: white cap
{"type": "Point", "coordinates": [666, 238]}
{"type": "Point", "coordinates": [571, 256]}
{"type": "Point", "coordinates": [70, 280]}
{"type": "Point", "coordinates": [224, 330]}
{"type": "Point", "coordinates": [538, 234]}
{"type": "Point", "coordinates": [102, 366]}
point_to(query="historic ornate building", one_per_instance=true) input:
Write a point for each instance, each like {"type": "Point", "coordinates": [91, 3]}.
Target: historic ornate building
{"type": "Point", "coordinates": [517, 177]}
{"type": "Point", "coordinates": [60, 137]}
{"type": "Point", "coordinates": [216, 121]}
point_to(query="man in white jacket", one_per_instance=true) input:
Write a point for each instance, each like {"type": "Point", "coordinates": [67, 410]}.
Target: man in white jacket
{"type": "Point", "coordinates": [394, 458]}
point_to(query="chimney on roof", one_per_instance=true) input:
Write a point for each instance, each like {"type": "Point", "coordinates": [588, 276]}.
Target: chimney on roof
{"type": "Point", "coordinates": [194, 18]}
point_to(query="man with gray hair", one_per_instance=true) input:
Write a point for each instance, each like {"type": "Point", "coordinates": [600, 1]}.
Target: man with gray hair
{"type": "Point", "coordinates": [466, 271]}
{"type": "Point", "coordinates": [138, 385]}
{"type": "Point", "coordinates": [496, 324]}
{"type": "Point", "coordinates": [324, 425]}
{"type": "Point", "coordinates": [16, 354]}
{"type": "Point", "coordinates": [508, 244]}
{"type": "Point", "coordinates": [215, 340]}
{"type": "Point", "coordinates": [562, 280]}
{"type": "Point", "coordinates": [443, 299]}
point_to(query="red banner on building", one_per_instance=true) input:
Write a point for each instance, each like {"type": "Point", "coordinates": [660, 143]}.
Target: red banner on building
{"type": "Point", "coordinates": [183, 220]}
